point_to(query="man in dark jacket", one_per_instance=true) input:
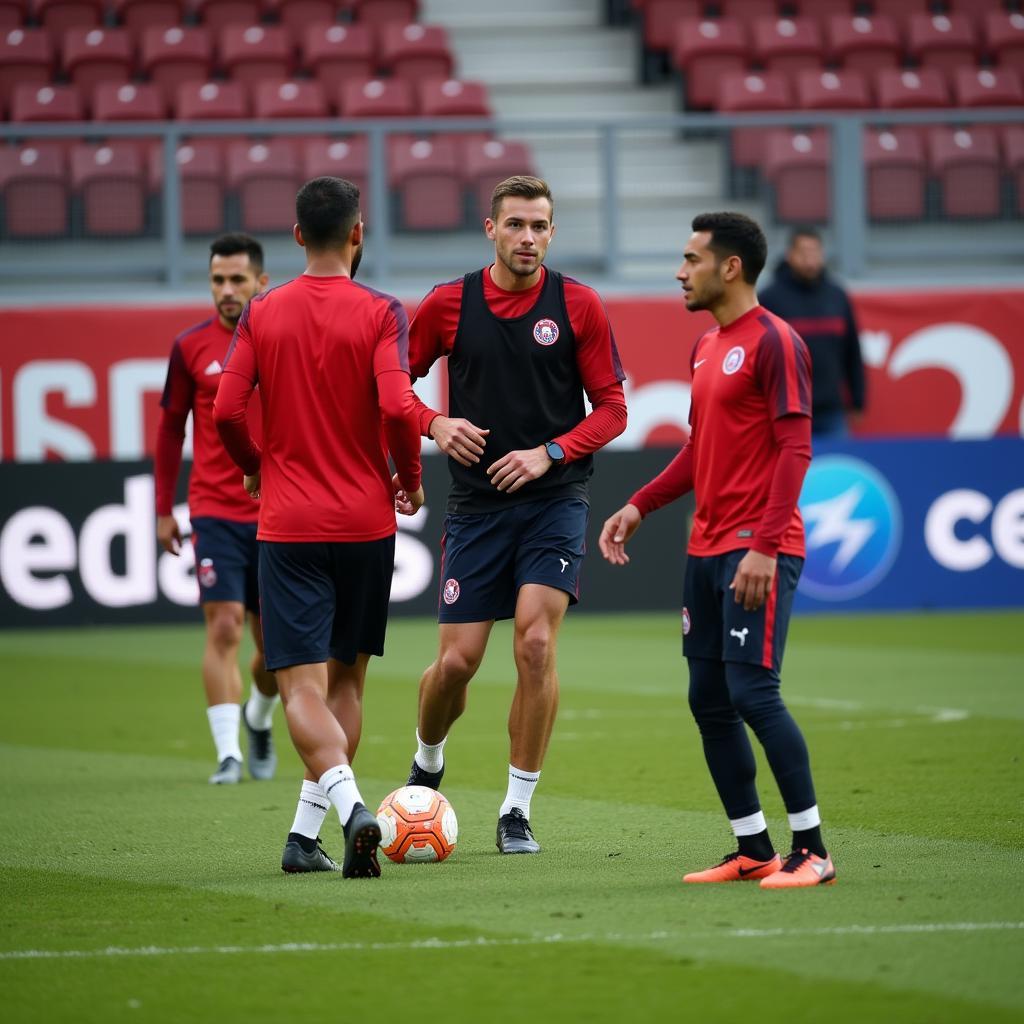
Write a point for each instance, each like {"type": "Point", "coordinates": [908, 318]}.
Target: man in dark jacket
{"type": "Point", "coordinates": [804, 295]}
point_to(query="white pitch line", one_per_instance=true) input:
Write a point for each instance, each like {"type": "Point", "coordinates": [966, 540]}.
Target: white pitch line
{"type": "Point", "coordinates": [481, 941]}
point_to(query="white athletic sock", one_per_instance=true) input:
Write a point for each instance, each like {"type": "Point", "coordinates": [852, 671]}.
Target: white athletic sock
{"type": "Point", "coordinates": [430, 756]}
{"type": "Point", "coordinates": [339, 784]}
{"type": "Point", "coordinates": [805, 819]}
{"type": "Point", "coordinates": [520, 790]}
{"type": "Point", "coordinates": [259, 710]}
{"type": "Point", "coordinates": [750, 825]}
{"type": "Point", "coordinates": [224, 719]}
{"type": "Point", "coordinates": [312, 809]}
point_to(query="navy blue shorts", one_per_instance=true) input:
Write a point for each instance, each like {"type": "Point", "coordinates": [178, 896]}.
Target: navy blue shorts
{"type": "Point", "coordinates": [226, 561]}
{"type": "Point", "coordinates": [487, 556]}
{"type": "Point", "coordinates": [324, 599]}
{"type": "Point", "coordinates": [716, 627]}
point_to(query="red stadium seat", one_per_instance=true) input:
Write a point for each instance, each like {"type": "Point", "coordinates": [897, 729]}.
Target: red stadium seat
{"type": "Point", "coordinates": [748, 10]}
{"type": "Point", "coordinates": [13, 14]}
{"type": "Point", "coordinates": [1004, 39]}
{"type": "Point", "coordinates": [26, 58]}
{"type": "Point", "coordinates": [974, 9]}
{"type": "Point", "coordinates": [910, 90]}
{"type": "Point", "coordinates": [216, 15]}
{"type": "Point", "coordinates": [34, 186]}
{"type": "Point", "coordinates": [896, 174]}
{"type": "Point", "coordinates": [832, 90]}
{"type": "Point", "coordinates": [705, 50]}
{"type": "Point", "coordinates": [220, 101]}
{"type": "Point", "coordinates": [377, 97]}
{"type": "Point", "coordinates": [452, 98]}
{"type": "Point", "coordinates": [823, 11]}
{"type": "Point", "coordinates": [171, 56]}
{"type": "Point", "coordinates": [251, 53]}
{"type": "Point", "coordinates": [415, 51]}
{"type": "Point", "coordinates": [903, 10]}
{"type": "Point", "coordinates": [788, 44]}
{"type": "Point", "coordinates": [987, 87]}
{"type": "Point", "coordinates": [278, 98]}
{"type": "Point", "coordinates": [1013, 158]}
{"type": "Point", "coordinates": [966, 163]}
{"type": "Point", "coordinates": [661, 18]}
{"type": "Point", "coordinates": [485, 164]}
{"type": "Point", "coordinates": [335, 53]}
{"type": "Point", "coordinates": [347, 158]}
{"type": "Point", "coordinates": [94, 55]}
{"type": "Point", "coordinates": [943, 41]}
{"type": "Point", "coordinates": [111, 184]}
{"type": "Point", "coordinates": [46, 103]}
{"type": "Point", "coordinates": [797, 165]}
{"type": "Point", "coordinates": [747, 92]}
{"type": "Point", "coordinates": [380, 12]}
{"type": "Point", "coordinates": [201, 172]}
{"type": "Point", "coordinates": [297, 16]}
{"type": "Point", "coordinates": [127, 101]}
{"type": "Point", "coordinates": [139, 15]}
{"type": "Point", "coordinates": [864, 43]}
{"type": "Point", "coordinates": [266, 176]}
{"type": "Point", "coordinates": [425, 174]}
{"type": "Point", "coordinates": [57, 16]}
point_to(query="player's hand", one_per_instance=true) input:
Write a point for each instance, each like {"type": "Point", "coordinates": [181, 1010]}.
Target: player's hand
{"type": "Point", "coordinates": [459, 438]}
{"type": "Point", "coordinates": [252, 485]}
{"type": "Point", "coordinates": [617, 529]}
{"type": "Point", "coordinates": [168, 533]}
{"type": "Point", "coordinates": [511, 471]}
{"type": "Point", "coordinates": [407, 504]}
{"type": "Point", "coordinates": [753, 580]}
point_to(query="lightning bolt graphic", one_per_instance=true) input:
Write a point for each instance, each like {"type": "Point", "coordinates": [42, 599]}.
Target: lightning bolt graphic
{"type": "Point", "coordinates": [833, 521]}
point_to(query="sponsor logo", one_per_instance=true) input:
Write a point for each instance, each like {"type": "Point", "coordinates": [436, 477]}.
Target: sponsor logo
{"type": "Point", "coordinates": [545, 332]}
{"type": "Point", "coordinates": [451, 591]}
{"type": "Point", "coordinates": [565, 564]}
{"type": "Point", "coordinates": [965, 529]}
{"type": "Point", "coordinates": [700, 362]}
{"type": "Point", "coordinates": [206, 573]}
{"type": "Point", "coordinates": [854, 528]}
{"type": "Point", "coordinates": [213, 368]}
{"type": "Point", "coordinates": [733, 360]}
{"type": "Point", "coordinates": [740, 634]}
{"type": "Point", "coordinates": [749, 871]}
{"type": "Point", "coordinates": [686, 622]}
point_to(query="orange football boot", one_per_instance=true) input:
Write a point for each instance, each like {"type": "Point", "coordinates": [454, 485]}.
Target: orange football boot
{"type": "Point", "coordinates": [802, 868]}
{"type": "Point", "coordinates": [736, 868]}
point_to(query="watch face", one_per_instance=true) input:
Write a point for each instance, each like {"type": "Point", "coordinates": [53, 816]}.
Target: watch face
{"type": "Point", "coordinates": [555, 451]}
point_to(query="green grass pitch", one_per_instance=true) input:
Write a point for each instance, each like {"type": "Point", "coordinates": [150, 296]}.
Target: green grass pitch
{"type": "Point", "coordinates": [134, 891]}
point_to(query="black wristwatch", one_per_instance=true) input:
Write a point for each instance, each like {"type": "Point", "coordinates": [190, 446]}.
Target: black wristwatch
{"type": "Point", "coordinates": [555, 451]}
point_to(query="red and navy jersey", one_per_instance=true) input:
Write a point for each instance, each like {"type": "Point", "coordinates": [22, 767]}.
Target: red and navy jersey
{"type": "Point", "coordinates": [215, 484]}
{"type": "Point", "coordinates": [745, 376]}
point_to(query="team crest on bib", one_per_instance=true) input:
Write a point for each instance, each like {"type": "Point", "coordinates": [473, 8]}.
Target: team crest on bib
{"type": "Point", "coordinates": [545, 332]}
{"type": "Point", "coordinates": [207, 574]}
{"type": "Point", "coordinates": [686, 621]}
{"type": "Point", "coordinates": [733, 360]}
{"type": "Point", "coordinates": [451, 591]}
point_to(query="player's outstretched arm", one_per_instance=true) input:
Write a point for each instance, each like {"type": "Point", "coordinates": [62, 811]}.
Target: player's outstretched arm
{"type": "Point", "coordinates": [462, 440]}
{"type": "Point", "coordinates": [617, 530]}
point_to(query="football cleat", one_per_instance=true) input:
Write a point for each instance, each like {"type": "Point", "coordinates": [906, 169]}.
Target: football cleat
{"type": "Point", "coordinates": [262, 756]}
{"type": "Point", "coordinates": [421, 777]}
{"type": "Point", "coordinates": [736, 868]}
{"type": "Point", "coordinates": [362, 837]}
{"type": "Point", "coordinates": [295, 860]}
{"type": "Point", "coordinates": [515, 835]}
{"type": "Point", "coordinates": [228, 772]}
{"type": "Point", "coordinates": [802, 868]}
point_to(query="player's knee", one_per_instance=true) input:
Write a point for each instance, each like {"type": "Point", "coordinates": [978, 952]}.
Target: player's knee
{"type": "Point", "coordinates": [224, 630]}
{"type": "Point", "coordinates": [534, 652]}
{"type": "Point", "coordinates": [457, 666]}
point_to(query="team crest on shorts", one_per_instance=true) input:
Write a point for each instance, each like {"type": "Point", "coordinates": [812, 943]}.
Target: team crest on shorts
{"type": "Point", "coordinates": [451, 591]}
{"type": "Point", "coordinates": [545, 332]}
{"type": "Point", "coordinates": [207, 574]}
{"type": "Point", "coordinates": [733, 360]}
{"type": "Point", "coordinates": [686, 621]}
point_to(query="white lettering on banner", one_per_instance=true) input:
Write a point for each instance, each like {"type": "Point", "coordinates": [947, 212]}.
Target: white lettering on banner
{"type": "Point", "coordinates": [176, 573]}
{"type": "Point", "coordinates": [35, 432]}
{"type": "Point", "coordinates": [414, 564]}
{"type": "Point", "coordinates": [130, 380]}
{"type": "Point", "coordinates": [37, 539]}
{"type": "Point", "coordinates": [1008, 529]}
{"type": "Point", "coordinates": [966, 555]}
{"type": "Point", "coordinates": [661, 403]}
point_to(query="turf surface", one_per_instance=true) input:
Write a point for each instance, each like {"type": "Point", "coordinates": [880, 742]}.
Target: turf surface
{"type": "Point", "coordinates": [132, 890]}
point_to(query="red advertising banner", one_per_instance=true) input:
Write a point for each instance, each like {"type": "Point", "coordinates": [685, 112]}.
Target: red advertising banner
{"type": "Point", "coordinates": [83, 383]}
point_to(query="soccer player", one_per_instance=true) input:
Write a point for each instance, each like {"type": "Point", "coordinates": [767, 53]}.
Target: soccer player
{"type": "Point", "coordinates": [523, 344]}
{"type": "Point", "coordinates": [749, 448]}
{"type": "Point", "coordinates": [223, 515]}
{"type": "Point", "coordinates": [330, 359]}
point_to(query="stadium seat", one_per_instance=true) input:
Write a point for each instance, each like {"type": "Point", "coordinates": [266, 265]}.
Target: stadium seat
{"type": "Point", "coordinates": [748, 10]}
{"type": "Point", "coordinates": [1004, 39]}
{"type": "Point", "coordinates": [896, 178]}
{"type": "Point", "coordinates": [250, 53]}
{"type": "Point", "coordinates": [910, 90]}
{"type": "Point", "coordinates": [57, 16]}
{"type": "Point", "coordinates": [823, 11]}
{"type": "Point", "coordinates": [171, 56]}
{"type": "Point", "coordinates": [138, 15]}
{"type": "Point", "coordinates": [974, 8]}
{"type": "Point", "coordinates": [660, 18]}
{"type": "Point", "coordinates": [704, 50]}
{"type": "Point", "coordinates": [201, 173]}
{"type": "Point", "coordinates": [797, 166]}
{"type": "Point", "coordinates": [94, 55]}
{"type": "Point", "coordinates": [266, 176]}
{"type": "Point", "coordinates": [903, 10]}
{"type": "Point", "coordinates": [965, 162]}
{"type": "Point", "coordinates": [425, 175]}
{"type": "Point", "coordinates": [452, 98]}
{"type": "Point", "coordinates": [376, 97]}
{"type": "Point", "coordinates": [943, 41]}
{"type": "Point", "coordinates": [280, 98]}
{"type": "Point", "coordinates": [216, 15]}
{"type": "Point", "coordinates": [832, 90]}
{"type": "Point", "coordinates": [13, 14]}
{"type": "Point", "coordinates": [221, 101]}
{"type": "Point", "coordinates": [46, 103]}
{"type": "Point", "coordinates": [743, 92]}
{"type": "Point", "coordinates": [864, 43]}
{"type": "Point", "coordinates": [297, 16]}
{"type": "Point", "coordinates": [34, 186]}
{"type": "Point", "coordinates": [415, 52]}
{"type": "Point", "coordinates": [788, 45]}
{"type": "Point", "coordinates": [1013, 160]}
{"type": "Point", "coordinates": [380, 12]}
{"type": "Point", "coordinates": [127, 101]}
{"type": "Point", "coordinates": [347, 158]}
{"type": "Point", "coordinates": [26, 58]}
{"type": "Point", "coordinates": [987, 87]}
{"type": "Point", "coordinates": [110, 181]}
{"type": "Point", "coordinates": [335, 53]}
{"type": "Point", "coordinates": [484, 164]}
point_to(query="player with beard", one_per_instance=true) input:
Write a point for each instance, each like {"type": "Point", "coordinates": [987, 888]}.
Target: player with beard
{"type": "Point", "coordinates": [222, 514]}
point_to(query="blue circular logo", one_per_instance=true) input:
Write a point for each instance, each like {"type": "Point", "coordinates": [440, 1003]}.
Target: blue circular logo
{"type": "Point", "coordinates": [854, 527]}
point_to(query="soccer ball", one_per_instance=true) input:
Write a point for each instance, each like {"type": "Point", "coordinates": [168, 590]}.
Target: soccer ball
{"type": "Point", "coordinates": [416, 824]}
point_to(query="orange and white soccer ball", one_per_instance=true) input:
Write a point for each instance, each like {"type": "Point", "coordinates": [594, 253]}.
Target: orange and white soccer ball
{"type": "Point", "coordinates": [417, 824]}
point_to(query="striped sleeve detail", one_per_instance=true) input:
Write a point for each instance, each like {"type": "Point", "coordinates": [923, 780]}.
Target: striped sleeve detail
{"type": "Point", "coordinates": [784, 369]}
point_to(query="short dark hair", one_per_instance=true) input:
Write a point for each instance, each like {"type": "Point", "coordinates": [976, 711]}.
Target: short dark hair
{"type": "Point", "coordinates": [803, 231]}
{"type": "Point", "coordinates": [234, 243]}
{"type": "Point", "coordinates": [327, 209]}
{"type": "Point", "coordinates": [735, 234]}
{"type": "Point", "coordinates": [523, 186]}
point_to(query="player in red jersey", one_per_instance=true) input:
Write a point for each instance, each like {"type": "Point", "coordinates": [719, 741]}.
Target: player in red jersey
{"type": "Point", "coordinates": [331, 360]}
{"type": "Point", "coordinates": [523, 345]}
{"type": "Point", "coordinates": [223, 515]}
{"type": "Point", "coordinates": [749, 448]}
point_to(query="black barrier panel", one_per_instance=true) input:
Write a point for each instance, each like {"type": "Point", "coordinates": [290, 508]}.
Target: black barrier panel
{"type": "Point", "coordinates": [77, 546]}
